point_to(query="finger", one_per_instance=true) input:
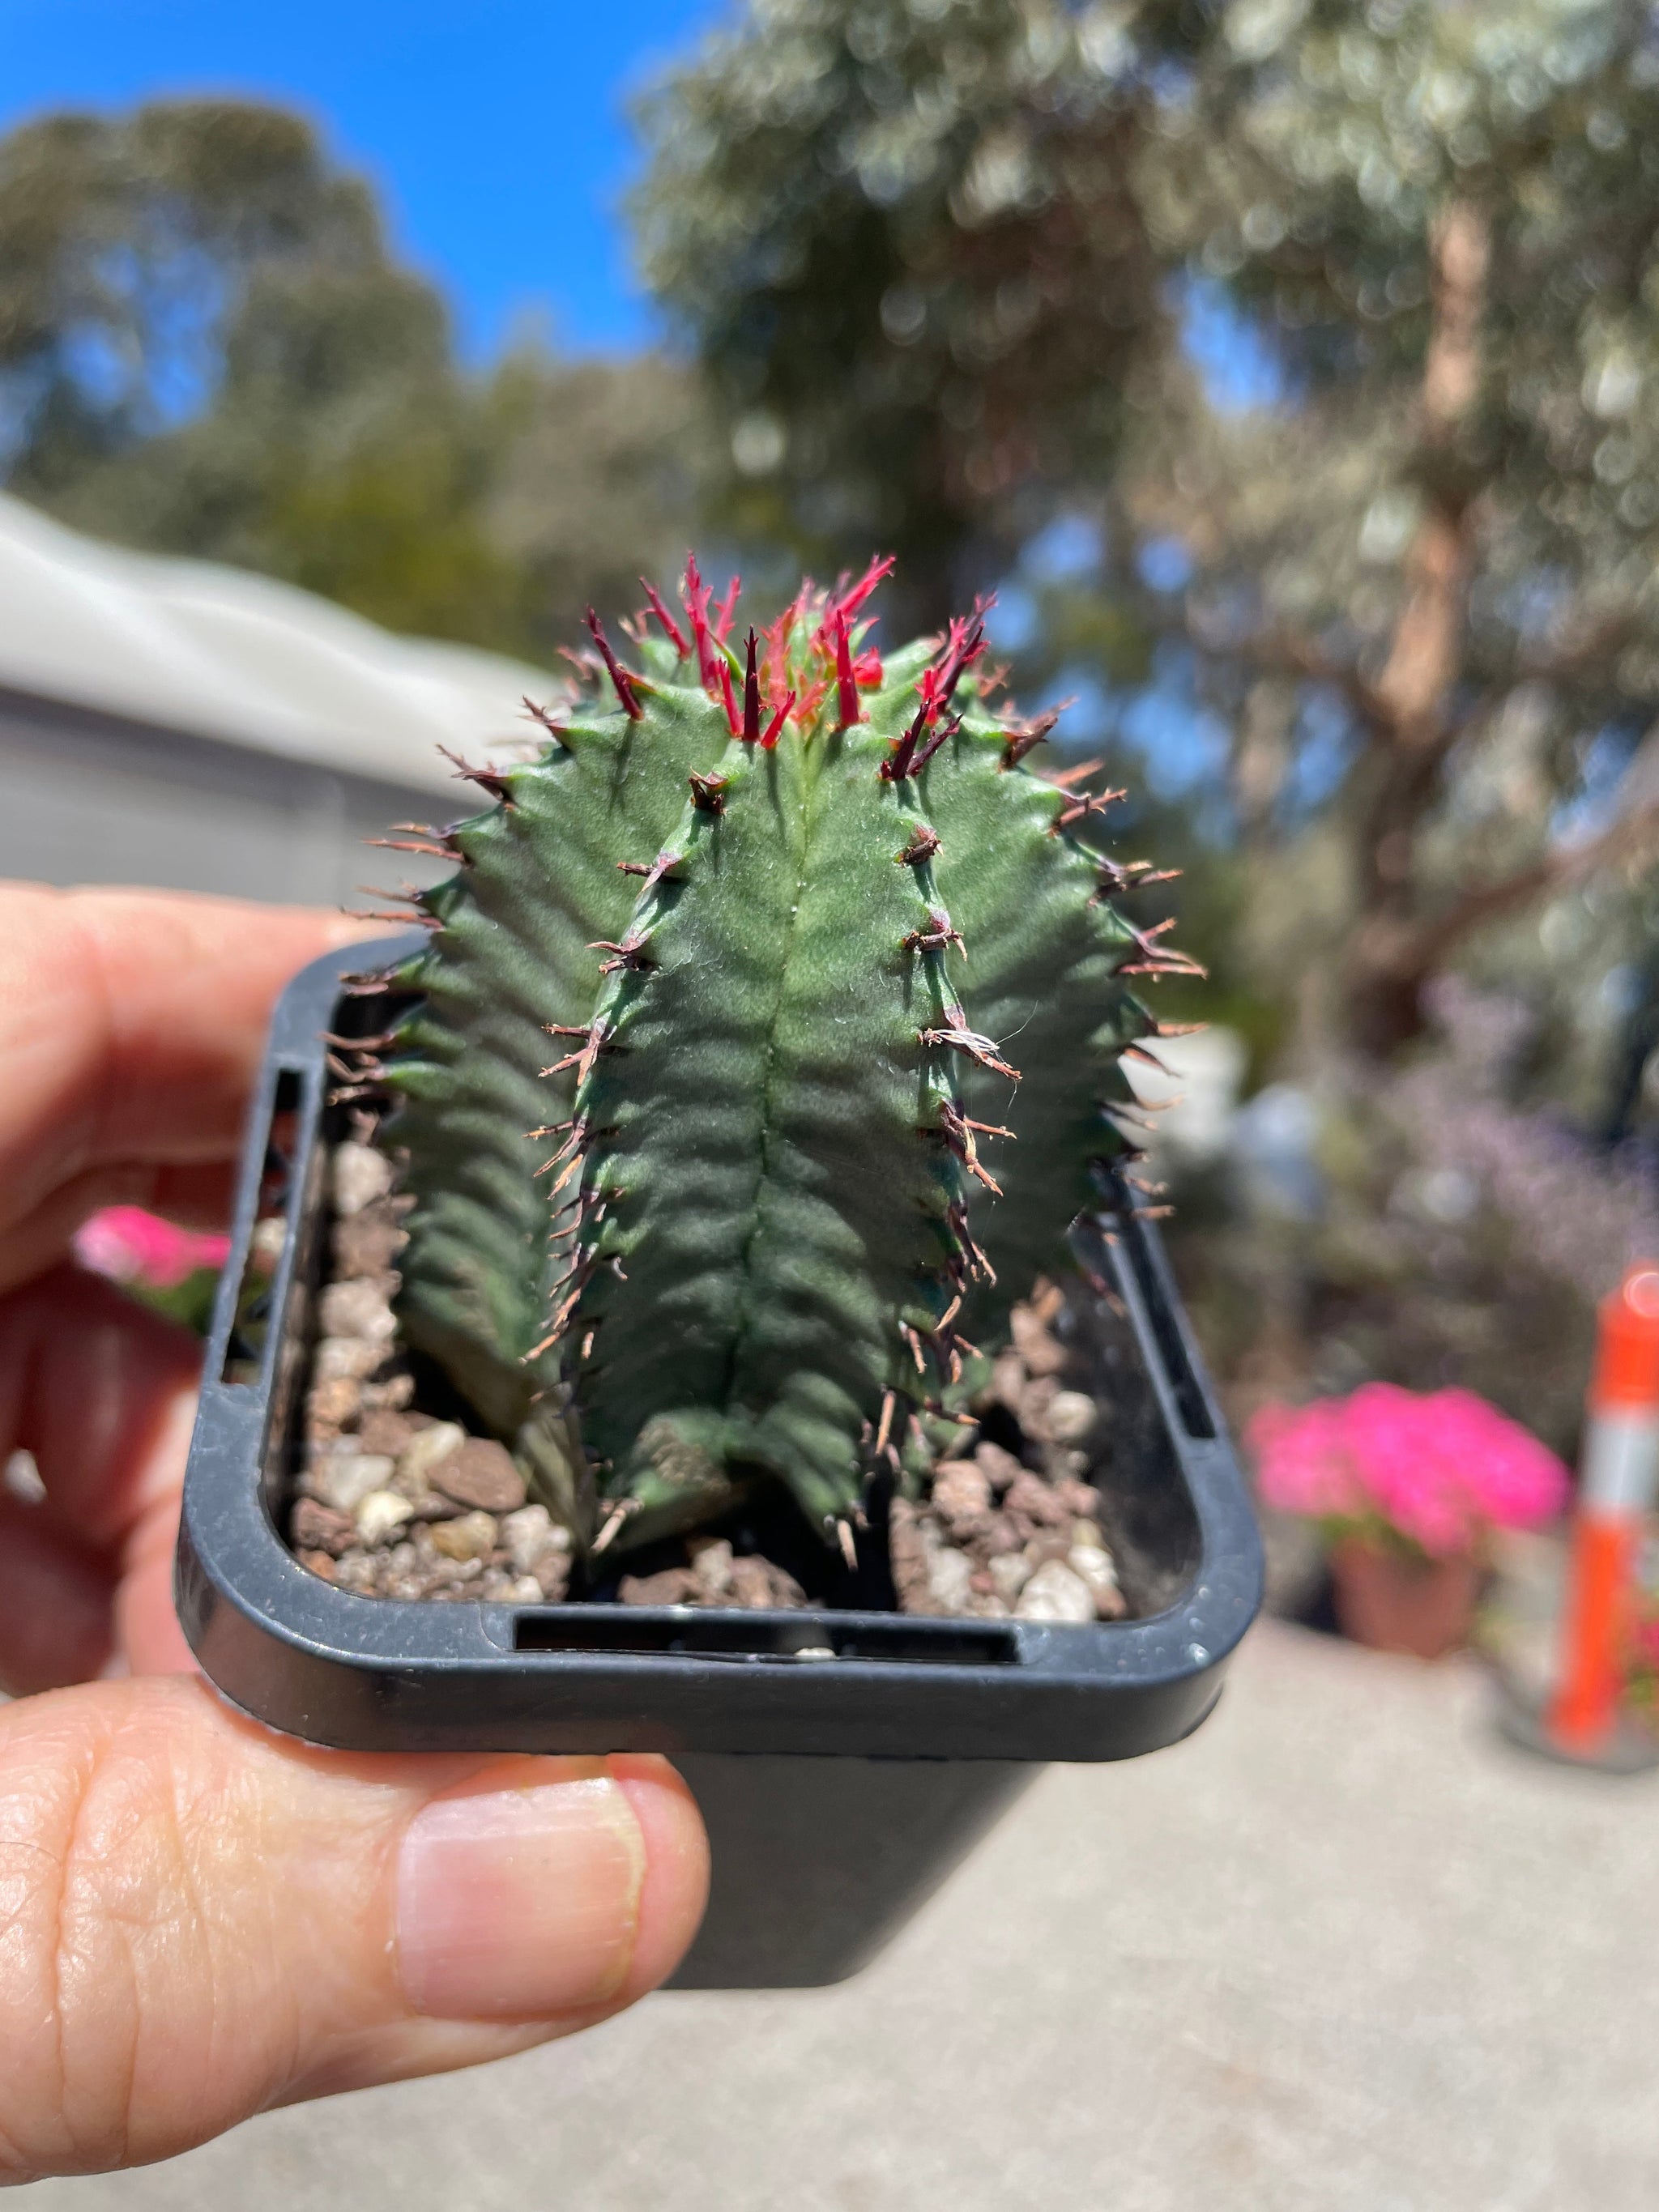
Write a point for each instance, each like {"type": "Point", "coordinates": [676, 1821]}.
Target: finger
{"type": "Point", "coordinates": [202, 1920]}
{"type": "Point", "coordinates": [57, 1605]}
{"type": "Point", "coordinates": [130, 1025]}
{"type": "Point", "coordinates": [198, 1197]}
{"type": "Point", "coordinates": [89, 1384]}
{"type": "Point", "coordinates": [101, 1392]}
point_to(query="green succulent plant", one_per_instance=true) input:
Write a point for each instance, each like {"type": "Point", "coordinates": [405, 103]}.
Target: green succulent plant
{"type": "Point", "coordinates": [837, 996]}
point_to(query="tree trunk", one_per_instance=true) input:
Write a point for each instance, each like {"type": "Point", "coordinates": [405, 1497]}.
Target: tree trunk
{"type": "Point", "coordinates": [1410, 730]}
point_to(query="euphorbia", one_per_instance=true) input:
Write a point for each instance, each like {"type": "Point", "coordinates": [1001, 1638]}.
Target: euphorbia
{"type": "Point", "coordinates": [814, 943]}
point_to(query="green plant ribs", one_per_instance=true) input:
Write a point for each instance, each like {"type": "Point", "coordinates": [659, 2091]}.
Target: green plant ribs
{"type": "Point", "coordinates": [766, 1039]}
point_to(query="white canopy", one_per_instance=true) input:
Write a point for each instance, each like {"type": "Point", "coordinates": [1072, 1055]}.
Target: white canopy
{"type": "Point", "coordinates": [217, 653]}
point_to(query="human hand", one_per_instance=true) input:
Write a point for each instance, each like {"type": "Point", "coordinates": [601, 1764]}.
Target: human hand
{"type": "Point", "coordinates": [200, 1919]}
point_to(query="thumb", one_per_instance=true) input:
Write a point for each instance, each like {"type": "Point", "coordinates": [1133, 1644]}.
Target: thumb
{"type": "Point", "coordinates": [199, 1919]}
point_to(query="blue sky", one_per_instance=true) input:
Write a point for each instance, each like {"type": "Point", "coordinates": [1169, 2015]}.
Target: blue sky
{"type": "Point", "coordinates": [494, 128]}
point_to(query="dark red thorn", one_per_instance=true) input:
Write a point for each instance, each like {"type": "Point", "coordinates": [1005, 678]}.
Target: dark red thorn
{"type": "Point", "coordinates": [664, 865]}
{"type": "Point", "coordinates": [941, 736]}
{"type": "Point", "coordinates": [487, 779]}
{"type": "Point", "coordinates": [363, 1043]}
{"type": "Point", "coordinates": [708, 793]}
{"type": "Point", "coordinates": [1097, 803]}
{"type": "Point", "coordinates": [751, 723]}
{"type": "Point", "coordinates": [629, 953]}
{"type": "Point", "coordinates": [846, 687]}
{"type": "Point", "coordinates": [726, 699]}
{"type": "Point", "coordinates": [1146, 1190]}
{"type": "Point", "coordinates": [1022, 738]}
{"type": "Point", "coordinates": [1169, 965]}
{"type": "Point", "coordinates": [970, 1041]}
{"type": "Point", "coordinates": [922, 846]}
{"type": "Point", "coordinates": [619, 676]}
{"type": "Point", "coordinates": [544, 715]}
{"type": "Point", "coordinates": [1147, 1059]}
{"type": "Point", "coordinates": [964, 643]}
{"type": "Point", "coordinates": [443, 852]}
{"type": "Point", "coordinates": [725, 608]}
{"type": "Point", "coordinates": [938, 935]}
{"type": "Point", "coordinates": [407, 892]}
{"type": "Point", "coordinates": [957, 1131]}
{"type": "Point", "coordinates": [698, 595]}
{"type": "Point", "coordinates": [403, 921]}
{"type": "Point", "coordinates": [588, 666]}
{"type": "Point", "coordinates": [768, 741]}
{"type": "Point", "coordinates": [677, 637]}
{"type": "Point", "coordinates": [1064, 778]}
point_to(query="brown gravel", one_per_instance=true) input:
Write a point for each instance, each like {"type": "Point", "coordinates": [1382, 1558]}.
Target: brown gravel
{"type": "Point", "coordinates": [393, 1502]}
{"type": "Point", "coordinates": [480, 1473]}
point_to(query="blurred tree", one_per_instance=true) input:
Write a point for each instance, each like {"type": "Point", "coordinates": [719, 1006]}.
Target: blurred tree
{"type": "Point", "coordinates": [950, 262]}
{"type": "Point", "coordinates": [905, 238]}
{"type": "Point", "coordinates": [1445, 218]}
{"type": "Point", "coordinates": [207, 347]}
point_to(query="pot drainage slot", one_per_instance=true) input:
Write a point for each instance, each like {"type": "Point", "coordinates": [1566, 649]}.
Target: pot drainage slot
{"type": "Point", "coordinates": [717, 1636]}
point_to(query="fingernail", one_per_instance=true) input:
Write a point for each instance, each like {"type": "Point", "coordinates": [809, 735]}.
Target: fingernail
{"type": "Point", "coordinates": [519, 1895]}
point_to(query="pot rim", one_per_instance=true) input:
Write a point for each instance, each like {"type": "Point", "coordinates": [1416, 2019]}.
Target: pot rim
{"type": "Point", "coordinates": [340, 1667]}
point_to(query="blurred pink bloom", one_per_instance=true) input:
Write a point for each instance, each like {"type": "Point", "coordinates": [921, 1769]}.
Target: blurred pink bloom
{"type": "Point", "coordinates": [1439, 1468]}
{"type": "Point", "coordinates": [131, 1246]}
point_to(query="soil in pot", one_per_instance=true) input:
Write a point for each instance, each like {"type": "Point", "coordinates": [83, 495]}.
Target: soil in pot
{"type": "Point", "coordinates": [1388, 1600]}
{"type": "Point", "coordinates": [394, 1495]}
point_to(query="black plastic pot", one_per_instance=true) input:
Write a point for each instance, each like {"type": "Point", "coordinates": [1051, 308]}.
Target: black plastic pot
{"type": "Point", "coordinates": [844, 1759]}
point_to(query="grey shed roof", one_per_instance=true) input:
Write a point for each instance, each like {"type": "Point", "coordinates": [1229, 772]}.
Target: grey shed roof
{"type": "Point", "coordinates": [190, 646]}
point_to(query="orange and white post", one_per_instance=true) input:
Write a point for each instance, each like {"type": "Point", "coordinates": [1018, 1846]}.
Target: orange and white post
{"type": "Point", "coordinates": [1617, 1480]}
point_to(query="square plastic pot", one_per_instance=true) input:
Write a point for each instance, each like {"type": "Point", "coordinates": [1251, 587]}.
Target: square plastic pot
{"type": "Point", "coordinates": [844, 1759]}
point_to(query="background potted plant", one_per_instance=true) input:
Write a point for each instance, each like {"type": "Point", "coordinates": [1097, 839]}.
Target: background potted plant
{"type": "Point", "coordinates": [1407, 1488]}
{"type": "Point", "coordinates": [725, 1280]}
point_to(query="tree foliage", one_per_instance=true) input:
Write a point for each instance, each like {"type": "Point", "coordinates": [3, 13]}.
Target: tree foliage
{"type": "Point", "coordinates": [207, 345]}
{"type": "Point", "coordinates": [953, 254]}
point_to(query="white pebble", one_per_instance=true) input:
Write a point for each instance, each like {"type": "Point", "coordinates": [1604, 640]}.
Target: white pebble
{"type": "Point", "coordinates": [470, 1539]}
{"type": "Point", "coordinates": [360, 1175]}
{"type": "Point", "coordinates": [530, 1534]}
{"type": "Point", "coordinates": [356, 1308]}
{"type": "Point", "coordinates": [711, 1562]}
{"type": "Point", "coordinates": [1009, 1571]}
{"type": "Point", "coordinates": [1094, 1567]}
{"type": "Point", "coordinates": [429, 1447]}
{"type": "Point", "coordinates": [343, 1480]}
{"type": "Point", "coordinates": [1055, 1593]}
{"type": "Point", "coordinates": [379, 1513]}
{"type": "Point", "coordinates": [1071, 1416]}
{"type": "Point", "coordinates": [949, 1573]}
{"type": "Point", "coordinates": [346, 1359]}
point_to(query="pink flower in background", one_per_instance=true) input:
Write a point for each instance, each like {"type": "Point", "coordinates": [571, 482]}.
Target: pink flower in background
{"type": "Point", "coordinates": [1303, 1461]}
{"type": "Point", "coordinates": [1438, 1468]}
{"type": "Point", "coordinates": [131, 1246]}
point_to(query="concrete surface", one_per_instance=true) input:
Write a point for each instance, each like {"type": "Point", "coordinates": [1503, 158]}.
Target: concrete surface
{"type": "Point", "coordinates": [1343, 1949]}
